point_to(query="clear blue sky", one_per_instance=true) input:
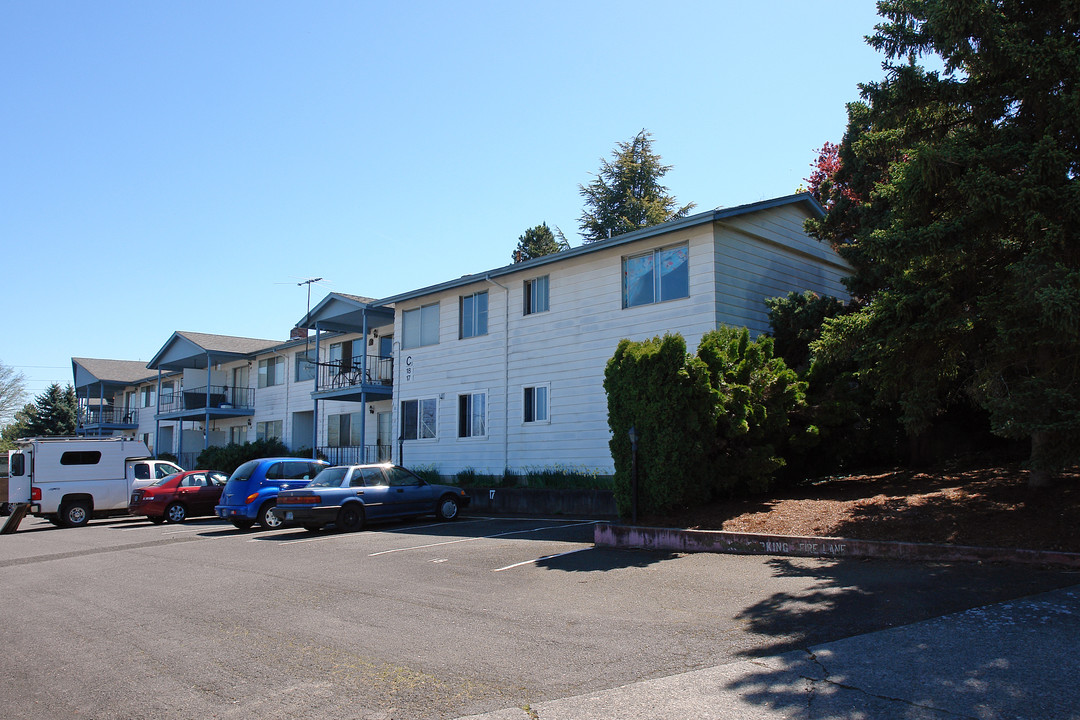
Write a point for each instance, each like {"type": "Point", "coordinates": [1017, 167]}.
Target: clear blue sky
{"type": "Point", "coordinates": [182, 165]}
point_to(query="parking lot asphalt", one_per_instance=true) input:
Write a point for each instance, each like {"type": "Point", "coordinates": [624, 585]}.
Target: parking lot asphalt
{"type": "Point", "coordinates": [420, 619]}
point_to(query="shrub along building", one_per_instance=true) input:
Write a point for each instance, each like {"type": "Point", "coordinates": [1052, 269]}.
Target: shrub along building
{"type": "Point", "coordinates": [501, 369]}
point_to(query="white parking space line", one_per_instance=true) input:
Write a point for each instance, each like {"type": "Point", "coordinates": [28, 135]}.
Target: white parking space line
{"type": "Point", "coordinates": [482, 537]}
{"type": "Point", "coordinates": [540, 559]}
{"type": "Point", "coordinates": [332, 536]}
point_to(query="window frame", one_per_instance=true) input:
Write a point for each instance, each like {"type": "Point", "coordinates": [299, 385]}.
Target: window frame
{"type": "Point", "coordinates": [277, 362]}
{"type": "Point", "coordinates": [476, 324]}
{"type": "Point", "coordinates": [467, 415]}
{"type": "Point", "coordinates": [430, 314]}
{"type": "Point", "coordinates": [530, 295]}
{"type": "Point", "coordinates": [419, 414]}
{"type": "Point", "coordinates": [656, 284]}
{"type": "Point", "coordinates": [301, 358]}
{"type": "Point", "coordinates": [546, 387]}
{"type": "Point", "coordinates": [261, 430]}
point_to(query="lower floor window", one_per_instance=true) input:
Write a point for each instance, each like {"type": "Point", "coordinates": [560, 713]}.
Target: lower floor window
{"type": "Point", "coordinates": [472, 415]}
{"type": "Point", "coordinates": [268, 430]}
{"type": "Point", "coordinates": [238, 434]}
{"type": "Point", "coordinates": [418, 419]}
{"type": "Point", "coordinates": [344, 430]}
{"type": "Point", "coordinates": [536, 404]}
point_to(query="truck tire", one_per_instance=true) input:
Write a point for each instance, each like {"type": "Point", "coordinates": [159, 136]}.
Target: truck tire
{"type": "Point", "coordinates": [74, 514]}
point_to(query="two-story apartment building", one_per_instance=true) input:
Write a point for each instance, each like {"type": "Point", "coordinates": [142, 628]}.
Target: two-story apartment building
{"type": "Point", "coordinates": [500, 369]}
{"type": "Point", "coordinates": [504, 369]}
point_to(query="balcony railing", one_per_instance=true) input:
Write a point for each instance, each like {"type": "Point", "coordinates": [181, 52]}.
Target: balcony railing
{"type": "Point", "coordinates": [110, 416]}
{"type": "Point", "coordinates": [220, 396]}
{"type": "Point", "coordinates": [350, 373]}
{"type": "Point", "coordinates": [355, 454]}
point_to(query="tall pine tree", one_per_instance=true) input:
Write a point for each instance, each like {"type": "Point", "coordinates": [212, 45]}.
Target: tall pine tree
{"type": "Point", "coordinates": [55, 413]}
{"type": "Point", "coordinates": [626, 194]}
{"type": "Point", "coordinates": [957, 200]}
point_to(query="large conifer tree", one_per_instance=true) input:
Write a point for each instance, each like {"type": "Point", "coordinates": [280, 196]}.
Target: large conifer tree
{"type": "Point", "coordinates": [626, 194]}
{"type": "Point", "coordinates": [957, 199]}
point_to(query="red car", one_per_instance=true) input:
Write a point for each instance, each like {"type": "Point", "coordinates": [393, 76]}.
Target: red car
{"type": "Point", "coordinates": [179, 496]}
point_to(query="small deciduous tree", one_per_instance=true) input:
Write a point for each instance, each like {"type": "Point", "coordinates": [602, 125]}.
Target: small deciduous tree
{"type": "Point", "coordinates": [626, 194]}
{"type": "Point", "coordinates": [12, 392]}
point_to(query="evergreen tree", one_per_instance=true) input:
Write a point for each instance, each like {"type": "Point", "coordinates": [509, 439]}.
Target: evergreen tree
{"type": "Point", "coordinates": [55, 413]}
{"type": "Point", "coordinates": [537, 242]}
{"type": "Point", "coordinates": [626, 194]}
{"type": "Point", "coordinates": [957, 200]}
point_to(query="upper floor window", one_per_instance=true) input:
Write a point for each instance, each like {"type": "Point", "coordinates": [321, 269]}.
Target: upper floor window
{"type": "Point", "coordinates": [472, 415]}
{"type": "Point", "coordinates": [271, 372]}
{"type": "Point", "coordinates": [149, 396]}
{"type": "Point", "coordinates": [305, 367]}
{"type": "Point", "coordinates": [420, 326]}
{"type": "Point", "coordinates": [656, 276]}
{"type": "Point", "coordinates": [536, 296]}
{"type": "Point", "coordinates": [474, 314]}
{"type": "Point", "coordinates": [167, 392]}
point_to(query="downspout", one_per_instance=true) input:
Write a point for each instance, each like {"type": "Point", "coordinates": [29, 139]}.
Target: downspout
{"type": "Point", "coordinates": [315, 409]}
{"type": "Point", "coordinates": [506, 372]}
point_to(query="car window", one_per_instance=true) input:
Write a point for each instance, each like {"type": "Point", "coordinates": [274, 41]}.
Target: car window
{"type": "Point", "coordinates": [357, 478]}
{"type": "Point", "coordinates": [397, 476]}
{"type": "Point", "coordinates": [218, 478]}
{"type": "Point", "coordinates": [300, 469]}
{"type": "Point", "coordinates": [196, 480]}
{"type": "Point", "coordinates": [275, 471]}
{"type": "Point", "coordinates": [330, 477]}
{"type": "Point", "coordinates": [161, 481]}
{"type": "Point", "coordinates": [142, 471]}
{"type": "Point", "coordinates": [166, 469]}
{"type": "Point", "coordinates": [373, 477]}
{"type": "Point", "coordinates": [244, 471]}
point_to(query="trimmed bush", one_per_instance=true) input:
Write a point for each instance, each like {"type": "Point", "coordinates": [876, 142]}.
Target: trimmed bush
{"type": "Point", "coordinates": [654, 387]}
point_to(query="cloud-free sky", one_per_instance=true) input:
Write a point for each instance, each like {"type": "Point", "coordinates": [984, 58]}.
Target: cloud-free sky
{"type": "Point", "coordinates": [183, 165]}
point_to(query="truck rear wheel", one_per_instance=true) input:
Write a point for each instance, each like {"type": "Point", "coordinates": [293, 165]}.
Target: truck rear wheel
{"type": "Point", "coordinates": [75, 513]}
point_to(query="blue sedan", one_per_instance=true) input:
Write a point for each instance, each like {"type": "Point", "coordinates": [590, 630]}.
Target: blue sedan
{"type": "Point", "coordinates": [350, 495]}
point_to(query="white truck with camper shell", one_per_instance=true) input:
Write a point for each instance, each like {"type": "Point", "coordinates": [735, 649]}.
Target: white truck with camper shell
{"type": "Point", "coordinates": [68, 480]}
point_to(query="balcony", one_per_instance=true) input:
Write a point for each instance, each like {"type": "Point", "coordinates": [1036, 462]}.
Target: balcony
{"type": "Point", "coordinates": [96, 419]}
{"type": "Point", "coordinates": [216, 401]}
{"type": "Point", "coordinates": [348, 380]}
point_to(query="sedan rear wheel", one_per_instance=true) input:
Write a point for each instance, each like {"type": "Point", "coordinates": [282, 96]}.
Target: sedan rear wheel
{"type": "Point", "coordinates": [350, 518]}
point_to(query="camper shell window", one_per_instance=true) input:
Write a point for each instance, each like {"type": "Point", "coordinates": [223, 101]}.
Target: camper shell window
{"type": "Point", "coordinates": [80, 457]}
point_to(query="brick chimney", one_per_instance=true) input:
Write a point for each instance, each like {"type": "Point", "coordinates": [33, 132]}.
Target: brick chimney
{"type": "Point", "coordinates": [298, 333]}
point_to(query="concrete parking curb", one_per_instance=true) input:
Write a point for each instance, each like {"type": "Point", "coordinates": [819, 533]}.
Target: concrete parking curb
{"type": "Point", "coordinates": [719, 541]}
